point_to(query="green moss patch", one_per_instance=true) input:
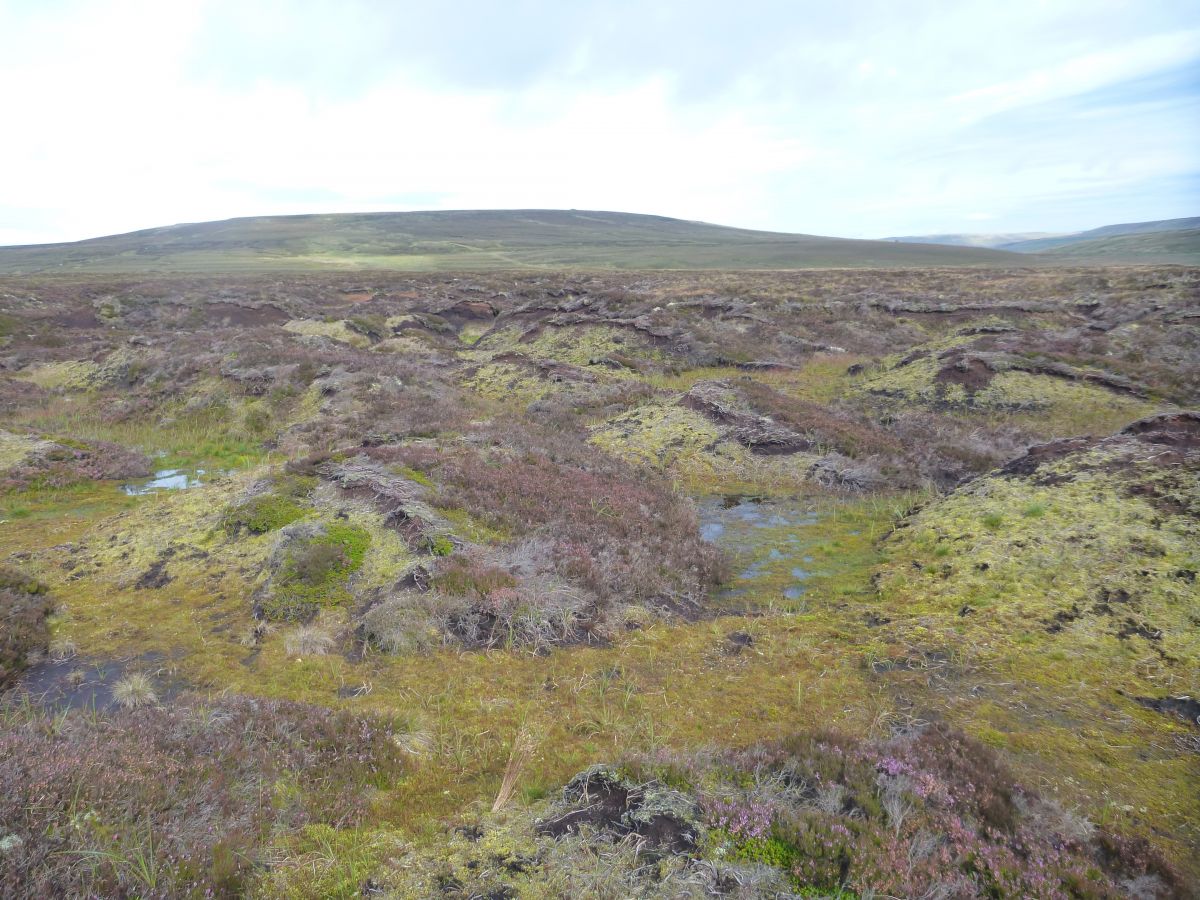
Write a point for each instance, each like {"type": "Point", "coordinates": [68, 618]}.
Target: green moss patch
{"type": "Point", "coordinates": [312, 568]}
{"type": "Point", "coordinates": [282, 504]}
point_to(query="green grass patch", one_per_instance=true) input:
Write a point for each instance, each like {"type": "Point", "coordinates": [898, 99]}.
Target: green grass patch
{"type": "Point", "coordinates": [413, 475]}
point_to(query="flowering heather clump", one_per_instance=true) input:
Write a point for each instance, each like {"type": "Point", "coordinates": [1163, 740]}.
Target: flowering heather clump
{"type": "Point", "coordinates": [923, 815]}
{"type": "Point", "coordinates": [193, 794]}
{"type": "Point", "coordinates": [741, 818]}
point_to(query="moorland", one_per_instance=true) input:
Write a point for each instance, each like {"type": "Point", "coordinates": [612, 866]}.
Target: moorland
{"type": "Point", "coordinates": [845, 582]}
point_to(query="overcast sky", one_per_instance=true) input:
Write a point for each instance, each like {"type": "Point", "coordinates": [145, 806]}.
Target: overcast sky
{"type": "Point", "coordinates": [853, 118]}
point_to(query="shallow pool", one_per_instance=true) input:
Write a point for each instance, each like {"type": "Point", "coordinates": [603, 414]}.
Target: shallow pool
{"type": "Point", "coordinates": [770, 542]}
{"type": "Point", "coordinates": [165, 480]}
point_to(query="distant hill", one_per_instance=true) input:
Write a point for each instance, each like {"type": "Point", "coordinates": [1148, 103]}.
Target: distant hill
{"type": "Point", "coordinates": [992, 241]}
{"type": "Point", "coordinates": [1181, 246]}
{"type": "Point", "coordinates": [1056, 242]}
{"type": "Point", "coordinates": [1163, 241]}
{"type": "Point", "coordinates": [473, 240]}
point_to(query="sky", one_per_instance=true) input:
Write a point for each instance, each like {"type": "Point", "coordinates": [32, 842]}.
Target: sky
{"type": "Point", "coordinates": [866, 118]}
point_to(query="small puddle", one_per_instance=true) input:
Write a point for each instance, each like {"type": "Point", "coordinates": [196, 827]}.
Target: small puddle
{"type": "Point", "coordinates": [768, 542]}
{"type": "Point", "coordinates": [166, 480]}
{"type": "Point", "coordinates": [88, 683]}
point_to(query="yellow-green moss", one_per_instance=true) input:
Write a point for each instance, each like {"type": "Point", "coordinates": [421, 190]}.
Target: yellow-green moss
{"type": "Point", "coordinates": [1029, 391]}
{"type": "Point", "coordinates": [658, 434]}
{"type": "Point", "coordinates": [472, 528]}
{"type": "Point", "coordinates": [913, 383]}
{"type": "Point", "coordinates": [16, 448]}
{"type": "Point", "coordinates": [473, 331]}
{"type": "Point", "coordinates": [1059, 617]}
{"type": "Point", "coordinates": [1092, 536]}
{"type": "Point", "coordinates": [263, 513]}
{"type": "Point", "coordinates": [578, 345]}
{"type": "Point", "coordinates": [681, 441]}
{"type": "Point", "coordinates": [507, 381]}
{"type": "Point", "coordinates": [71, 375]}
{"type": "Point", "coordinates": [337, 331]}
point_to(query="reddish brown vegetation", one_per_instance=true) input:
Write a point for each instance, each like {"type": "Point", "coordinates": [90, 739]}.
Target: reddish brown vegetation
{"type": "Point", "coordinates": [178, 802]}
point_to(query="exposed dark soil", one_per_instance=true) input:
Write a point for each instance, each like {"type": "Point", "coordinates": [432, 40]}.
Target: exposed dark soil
{"type": "Point", "coordinates": [87, 683]}
{"type": "Point", "coordinates": [604, 802]}
{"type": "Point", "coordinates": [1179, 431]}
{"type": "Point", "coordinates": [1043, 454]}
{"type": "Point", "coordinates": [234, 315]}
{"type": "Point", "coordinates": [1184, 707]}
{"type": "Point", "coordinates": [758, 433]}
{"type": "Point", "coordinates": [969, 371]}
{"type": "Point", "coordinates": [156, 575]}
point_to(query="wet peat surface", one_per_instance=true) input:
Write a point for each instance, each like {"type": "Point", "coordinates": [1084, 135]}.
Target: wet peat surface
{"type": "Point", "coordinates": [770, 544]}
{"type": "Point", "coordinates": [89, 683]}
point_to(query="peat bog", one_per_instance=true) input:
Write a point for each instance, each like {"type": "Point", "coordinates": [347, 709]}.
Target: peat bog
{"type": "Point", "coordinates": [749, 584]}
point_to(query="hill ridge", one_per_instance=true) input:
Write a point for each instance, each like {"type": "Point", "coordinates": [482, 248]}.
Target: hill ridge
{"type": "Point", "coordinates": [1156, 241]}
{"type": "Point", "coordinates": [471, 240]}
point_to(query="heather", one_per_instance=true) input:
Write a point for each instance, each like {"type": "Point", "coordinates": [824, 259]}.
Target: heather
{"type": "Point", "coordinates": [25, 607]}
{"type": "Point", "coordinates": [185, 801]}
{"type": "Point", "coordinates": [925, 812]}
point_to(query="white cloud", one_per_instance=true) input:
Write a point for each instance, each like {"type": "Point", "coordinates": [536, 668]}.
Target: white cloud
{"type": "Point", "coordinates": [131, 114]}
{"type": "Point", "coordinates": [1082, 73]}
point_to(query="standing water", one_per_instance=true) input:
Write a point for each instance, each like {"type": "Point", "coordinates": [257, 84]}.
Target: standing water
{"type": "Point", "coordinates": [165, 480]}
{"type": "Point", "coordinates": [769, 540]}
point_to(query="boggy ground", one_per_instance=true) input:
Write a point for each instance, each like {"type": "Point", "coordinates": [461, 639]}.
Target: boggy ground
{"type": "Point", "coordinates": [451, 540]}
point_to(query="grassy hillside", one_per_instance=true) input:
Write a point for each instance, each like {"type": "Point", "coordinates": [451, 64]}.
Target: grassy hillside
{"type": "Point", "coordinates": [1180, 246]}
{"type": "Point", "coordinates": [1165, 241]}
{"type": "Point", "coordinates": [470, 240]}
{"type": "Point", "coordinates": [1063, 241]}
